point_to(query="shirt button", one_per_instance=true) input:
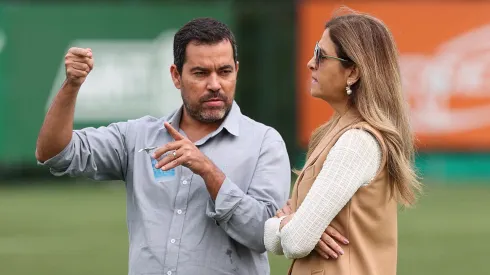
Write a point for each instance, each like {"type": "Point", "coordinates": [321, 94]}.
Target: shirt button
{"type": "Point", "coordinates": [184, 182]}
{"type": "Point", "coordinates": [172, 241]}
{"type": "Point", "coordinates": [179, 211]}
{"type": "Point", "coordinates": [169, 273]}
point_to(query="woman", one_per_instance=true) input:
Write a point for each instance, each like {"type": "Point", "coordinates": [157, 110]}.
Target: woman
{"type": "Point", "coordinates": [359, 163]}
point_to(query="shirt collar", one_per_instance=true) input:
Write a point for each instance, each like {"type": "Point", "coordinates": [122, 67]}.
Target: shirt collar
{"type": "Point", "coordinates": [232, 120]}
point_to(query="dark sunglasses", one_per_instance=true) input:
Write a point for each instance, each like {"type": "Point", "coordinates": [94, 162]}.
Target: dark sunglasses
{"type": "Point", "coordinates": [319, 55]}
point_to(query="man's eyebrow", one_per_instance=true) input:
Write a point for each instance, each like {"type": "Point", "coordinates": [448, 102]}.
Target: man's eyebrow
{"type": "Point", "coordinates": [202, 69]}
{"type": "Point", "coordinates": [226, 67]}
{"type": "Point", "coordinates": [199, 69]}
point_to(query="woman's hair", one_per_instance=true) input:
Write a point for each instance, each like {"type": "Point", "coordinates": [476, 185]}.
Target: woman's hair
{"type": "Point", "coordinates": [368, 44]}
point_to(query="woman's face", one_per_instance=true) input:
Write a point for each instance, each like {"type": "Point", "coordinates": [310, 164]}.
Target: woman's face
{"type": "Point", "coordinates": [328, 76]}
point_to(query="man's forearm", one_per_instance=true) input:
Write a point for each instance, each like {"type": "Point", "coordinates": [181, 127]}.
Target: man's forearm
{"type": "Point", "coordinates": [56, 132]}
{"type": "Point", "coordinates": [213, 179]}
{"type": "Point", "coordinates": [241, 215]}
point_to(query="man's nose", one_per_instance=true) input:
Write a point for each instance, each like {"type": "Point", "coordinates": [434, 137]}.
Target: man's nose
{"type": "Point", "coordinates": [213, 83]}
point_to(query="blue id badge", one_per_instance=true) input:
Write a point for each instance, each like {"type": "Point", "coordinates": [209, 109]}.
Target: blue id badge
{"type": "Point", "coordinates": [159, 174]}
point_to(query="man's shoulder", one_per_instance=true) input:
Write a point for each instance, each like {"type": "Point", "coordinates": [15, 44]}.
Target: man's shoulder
{"type": "Point", "coordinates": [253, 127]}
{"type": "Point", "coordinates": [148, 121]}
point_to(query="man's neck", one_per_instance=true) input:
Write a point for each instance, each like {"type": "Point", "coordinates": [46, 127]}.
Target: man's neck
{"type": "Point", "coordinates": [194, 129]}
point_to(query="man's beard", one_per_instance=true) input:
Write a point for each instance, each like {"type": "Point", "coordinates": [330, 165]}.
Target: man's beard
{"type": "Point", "coordinates": [210, 114]}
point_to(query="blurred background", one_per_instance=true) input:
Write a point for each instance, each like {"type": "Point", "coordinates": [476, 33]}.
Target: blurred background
{"type": "Point", "coordinates": [54, 225]}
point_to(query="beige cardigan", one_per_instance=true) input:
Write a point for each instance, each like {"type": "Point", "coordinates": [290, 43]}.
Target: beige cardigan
{"type": "Point", "coordinates": [369, 220]}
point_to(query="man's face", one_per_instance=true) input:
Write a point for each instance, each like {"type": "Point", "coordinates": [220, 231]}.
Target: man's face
{"type": "Point", "coordinates": [208, 81]}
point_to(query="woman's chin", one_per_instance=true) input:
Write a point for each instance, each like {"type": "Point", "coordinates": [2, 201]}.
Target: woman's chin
{"type": "Point", "coordinates": [315, 93]}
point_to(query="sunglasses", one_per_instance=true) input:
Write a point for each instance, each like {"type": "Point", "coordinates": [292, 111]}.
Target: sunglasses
{"type": "Point", "coordinates": [319, 55]}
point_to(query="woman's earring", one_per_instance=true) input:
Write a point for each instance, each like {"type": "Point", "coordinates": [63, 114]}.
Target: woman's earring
{"type": "Point", "coordinates": [348, 90]}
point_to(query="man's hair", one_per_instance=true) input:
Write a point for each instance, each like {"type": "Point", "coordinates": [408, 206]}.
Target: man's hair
{"type": "Point", "coordinates": [206, 31]}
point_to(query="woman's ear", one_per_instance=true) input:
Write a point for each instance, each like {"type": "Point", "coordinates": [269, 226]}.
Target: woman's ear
{"type": "Point", "coordinates": [353, 75]}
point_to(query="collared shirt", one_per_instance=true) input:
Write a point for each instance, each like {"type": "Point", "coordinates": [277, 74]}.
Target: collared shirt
{"type": "Point", "coordinates": [174, 225]}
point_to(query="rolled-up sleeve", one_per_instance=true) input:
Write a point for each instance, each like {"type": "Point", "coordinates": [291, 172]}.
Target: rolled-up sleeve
{"type": "Point", "coordinates": [243, 215]}
{"type": "Point", "coordinates": [96, 153]}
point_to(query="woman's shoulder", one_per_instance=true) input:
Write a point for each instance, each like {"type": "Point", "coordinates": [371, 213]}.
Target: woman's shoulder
{"type": "Point", "coordinates": [357, 151]}
{"type": "Point", "coordinates": [360, 143]}
{"type": "Point", "coordinates": [358, 138]}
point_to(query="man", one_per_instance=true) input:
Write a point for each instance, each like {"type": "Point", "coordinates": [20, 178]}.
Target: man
{"type": "Point", "coordinates": [197, 203]}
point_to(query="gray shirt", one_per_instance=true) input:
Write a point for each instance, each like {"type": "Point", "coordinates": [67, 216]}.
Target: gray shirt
{"type": "Point", "coordinates": [174, 226]}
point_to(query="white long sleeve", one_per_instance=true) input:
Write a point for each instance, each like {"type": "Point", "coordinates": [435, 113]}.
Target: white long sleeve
{"type": "Point", "coordinates": [272, 240]}
{"type": "Point", "coordinates": [351, 163]}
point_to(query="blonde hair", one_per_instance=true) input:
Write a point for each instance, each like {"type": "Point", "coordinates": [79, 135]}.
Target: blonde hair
{"type": "Point", "coordinates": [366, 42]}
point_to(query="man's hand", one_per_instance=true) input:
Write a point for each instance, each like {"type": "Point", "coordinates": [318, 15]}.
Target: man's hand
{"type": "Point", "coordinates": [327, 247]}
{"type": "Point", "coordinates": [78, 64]}
{"type": "Point", "coordinates": [184, 152]}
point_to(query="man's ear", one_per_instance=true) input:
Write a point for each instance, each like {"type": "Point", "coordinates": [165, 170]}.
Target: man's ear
{"type": "Point", "coordinates": [176, 78]}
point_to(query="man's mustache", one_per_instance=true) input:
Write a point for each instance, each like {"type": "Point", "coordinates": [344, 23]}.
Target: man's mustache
{"type": "Point", "coordinates": [214, 96]}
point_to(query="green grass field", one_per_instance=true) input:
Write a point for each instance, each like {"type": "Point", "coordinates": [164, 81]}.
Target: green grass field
{"type": "Point", "coordinates": [79, 229]}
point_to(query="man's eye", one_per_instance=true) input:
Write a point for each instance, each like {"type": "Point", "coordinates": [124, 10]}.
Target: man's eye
{"type": "Point", "coordinates": [199, 73]}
